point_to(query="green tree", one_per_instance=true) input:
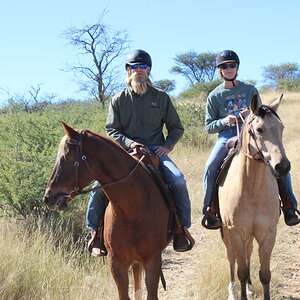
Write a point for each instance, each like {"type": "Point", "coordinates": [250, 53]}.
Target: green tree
{"type": "Point", "coordinates": [276, 74]}
{"type": "Point", "coordinates": [200, 90]}
{"type": "Point", "coordinates": [195, 67]}
{"type": "Point", "coordinates": [165, 85]}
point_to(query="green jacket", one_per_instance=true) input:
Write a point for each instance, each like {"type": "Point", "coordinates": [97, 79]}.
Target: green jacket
{"type": "Point", "coordinates": [141, 119]}
{"type": "Point", "coordinates": [224, 101]}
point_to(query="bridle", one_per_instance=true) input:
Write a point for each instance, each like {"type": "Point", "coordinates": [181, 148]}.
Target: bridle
{"type": "Point", "coordinates": [258, 155]}
{"type": "Point", "coordinates": [79, 156]}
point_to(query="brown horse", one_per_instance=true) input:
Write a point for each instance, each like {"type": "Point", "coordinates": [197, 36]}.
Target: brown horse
{"type": "Point", "coordinates": [249, 201]}
{"type": "Point", "coordinates": [136, 219]}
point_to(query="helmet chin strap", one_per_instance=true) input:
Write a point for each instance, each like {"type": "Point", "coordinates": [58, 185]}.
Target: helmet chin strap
{"type": "Point", "coordinates": [232, 80]}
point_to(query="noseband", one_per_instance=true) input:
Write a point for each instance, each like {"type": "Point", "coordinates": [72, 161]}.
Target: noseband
{"type": "Point", "coordinates": [80, 156]}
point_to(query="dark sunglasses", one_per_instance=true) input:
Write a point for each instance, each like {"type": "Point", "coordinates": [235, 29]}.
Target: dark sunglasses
{"type": "Point", "coordinates": [231, 66]}
{"type": "Point", "coordinates": [143, 67]}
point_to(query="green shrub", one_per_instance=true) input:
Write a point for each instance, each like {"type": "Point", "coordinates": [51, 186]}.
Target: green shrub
{"type": "Point", "coordinates": [29, 140]}
{"type": "Point", "coordinates": [28, 145]}
{"type": "Point", "coordinates": [192, 116]}
{"type": "Point", "coordinates": [200, 90]}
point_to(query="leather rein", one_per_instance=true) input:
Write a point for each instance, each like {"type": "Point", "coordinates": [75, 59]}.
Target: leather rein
{"type": "Point", "coordinates": [258, 155]}
{"type": "Point", "coordinates": [80, 156]}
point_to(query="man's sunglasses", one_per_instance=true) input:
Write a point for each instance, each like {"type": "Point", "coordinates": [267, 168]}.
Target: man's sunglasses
{"type": "Point", "coordinates": [143, 67]}
{"type": "Point", "coordinates": [226, 66]}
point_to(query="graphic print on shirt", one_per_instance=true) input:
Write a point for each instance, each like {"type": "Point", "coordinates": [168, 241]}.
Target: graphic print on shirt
{"type": "Point", "coordinates": [235, 103]}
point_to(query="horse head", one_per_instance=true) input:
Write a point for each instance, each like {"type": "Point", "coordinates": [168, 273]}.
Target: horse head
{"type": "Point", "coordinates": [64, 182]}
{"type": "Point", "coordinates": [265, 128]}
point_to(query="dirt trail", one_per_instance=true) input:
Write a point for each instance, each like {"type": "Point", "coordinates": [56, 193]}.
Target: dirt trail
{"type": "Point", "coordinates": [180, 268]}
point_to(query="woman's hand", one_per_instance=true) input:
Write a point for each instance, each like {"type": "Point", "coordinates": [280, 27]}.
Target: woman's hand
{"type": "Point", "coordinates": [228, 121]}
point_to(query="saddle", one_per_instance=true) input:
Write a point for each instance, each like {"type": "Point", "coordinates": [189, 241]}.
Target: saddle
{"type": "Point", "coordinates": [231, 147]}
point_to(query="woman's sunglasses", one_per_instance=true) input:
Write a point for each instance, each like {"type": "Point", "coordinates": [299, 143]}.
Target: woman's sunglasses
{"type": "Point", "coordinates": [226, 66]}
{"type": "Point", "coordinates": [143, 67]}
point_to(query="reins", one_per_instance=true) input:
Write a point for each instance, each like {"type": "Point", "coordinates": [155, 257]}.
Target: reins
{"type": "Point", "coordinates": [260, 157]}
{"type": "Point", "coordinates": [79, 145]}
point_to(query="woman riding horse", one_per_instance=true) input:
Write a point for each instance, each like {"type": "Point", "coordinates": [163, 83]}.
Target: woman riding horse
{"type": "Point", "coordinates": [225, 104]}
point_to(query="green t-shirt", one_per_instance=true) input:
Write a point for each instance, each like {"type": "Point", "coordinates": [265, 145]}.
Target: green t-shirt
{"type": "Point", "coordinates": [222, 102]}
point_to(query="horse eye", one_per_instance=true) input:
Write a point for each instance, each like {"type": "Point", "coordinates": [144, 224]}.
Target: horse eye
{"type": "Point", "coordinates": [259, 130]}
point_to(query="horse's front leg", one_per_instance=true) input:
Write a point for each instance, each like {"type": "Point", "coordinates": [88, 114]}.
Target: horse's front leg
{"type": "Point", "coordinates": [120, 274]}
{"type": "Point", "coordinates": [137, 276]}
{"type": "Point", "coordinates": [152, 273]}
{"type": "Point", "coordinates": [250, 291]}
{"type": "Point", "coordinates": [232, 287]}
{"type": "Point", "coordinates": [265, 249]}
{"type": "Point", "coordinates": [240, 252]}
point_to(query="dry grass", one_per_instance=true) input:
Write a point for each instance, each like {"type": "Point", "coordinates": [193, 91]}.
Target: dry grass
{"type": "Point", "coordinates": [35, 264]}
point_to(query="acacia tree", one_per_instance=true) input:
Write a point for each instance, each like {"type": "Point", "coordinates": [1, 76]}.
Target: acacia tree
{"type": "Point", "coordinates": [196, 67]}
{"type": "Point", "coordinates": [165, 85]}
{"type": "Point", "coordinates": [275, 75]}
{"type": "Point", "coordinates": [104, 48]}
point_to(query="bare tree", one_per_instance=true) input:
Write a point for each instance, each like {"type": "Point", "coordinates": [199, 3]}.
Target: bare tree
{"type": "Point", "coordinates": [104, 48]}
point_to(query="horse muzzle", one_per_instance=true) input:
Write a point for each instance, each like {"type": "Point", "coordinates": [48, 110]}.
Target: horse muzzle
{"type": "Point", "coordinates": [58, 202]}
{"type": "Point", "coordinates": [281, 169]}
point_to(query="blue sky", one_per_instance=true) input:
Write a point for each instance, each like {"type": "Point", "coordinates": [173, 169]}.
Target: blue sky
{"type": "Point", "coordinates": [33, 51]}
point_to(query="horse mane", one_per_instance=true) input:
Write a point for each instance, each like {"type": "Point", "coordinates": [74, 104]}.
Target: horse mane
{"type": "Point", "coordinates": [264, 109]}
{"type": "Point", "coordinates": [106, 139]}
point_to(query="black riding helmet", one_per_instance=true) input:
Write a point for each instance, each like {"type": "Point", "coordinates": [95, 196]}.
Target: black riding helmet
{"type": "Point", "coordinates": [227, 56]}
{"type": "Point", "coordinates": [138, 57]}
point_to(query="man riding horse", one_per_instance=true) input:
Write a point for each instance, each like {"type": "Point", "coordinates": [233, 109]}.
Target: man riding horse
{"type": "Point", "coordinates": [136, 117]}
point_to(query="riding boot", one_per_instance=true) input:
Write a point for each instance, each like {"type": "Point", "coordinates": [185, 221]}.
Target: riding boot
{"type": "Point", "coordinates": [96, 244]}
{"type": "Point", "coordinates": [289, 211]}
{"type": "Point", "coordinates": [182, 239]}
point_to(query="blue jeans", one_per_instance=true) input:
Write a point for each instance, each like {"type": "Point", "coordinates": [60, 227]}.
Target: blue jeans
{"type": "Point", "coordinates": [96, 207]}
{"type": "Point", "coordinates": [288, 185]}
{"type": "Point", "coordinates": [177, 184]}
{"type": "Point", "coordinates": [214, 163]}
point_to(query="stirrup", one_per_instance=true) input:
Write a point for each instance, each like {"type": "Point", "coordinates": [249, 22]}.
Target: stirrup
{"type": "Point", "coordinates": [183, 241]}
{"type": "Point", "coordinates": [211, 221]}
{"type": "Point", "coordinates": [290, 216]}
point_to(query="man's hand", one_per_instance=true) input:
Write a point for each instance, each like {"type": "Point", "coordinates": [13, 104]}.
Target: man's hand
{"type": "Point", "coordinates": [135, 144]}
{"type": "Point", "coordinates": [161, 151]}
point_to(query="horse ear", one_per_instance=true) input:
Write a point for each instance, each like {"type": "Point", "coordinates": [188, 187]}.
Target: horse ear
{"type": "Point", "coordinates": [69, 131]}
{"type": "Point", "coordinates": [254, 104]}
{"type": "Point", "coordinates": [275, 104]}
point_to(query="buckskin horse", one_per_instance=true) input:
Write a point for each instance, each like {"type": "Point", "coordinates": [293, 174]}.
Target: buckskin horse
{"type": "Point", "coordinates": [136, 219]}
{"type": "Point", "coordinates": [249, 201]}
